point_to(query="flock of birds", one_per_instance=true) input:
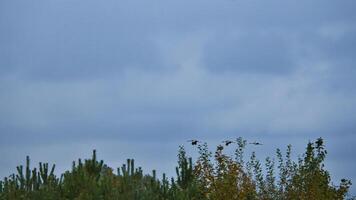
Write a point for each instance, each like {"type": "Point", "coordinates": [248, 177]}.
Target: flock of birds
{"type": "Point", "coordinates": [226, 142]}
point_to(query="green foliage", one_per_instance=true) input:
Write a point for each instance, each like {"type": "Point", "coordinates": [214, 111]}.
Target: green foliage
{"type": "Point", "coordinates": [31, 183]}
{"type": "Point", "coordinates": [214, 176]}
{"type": "Point", "coordinates": [311, 181]}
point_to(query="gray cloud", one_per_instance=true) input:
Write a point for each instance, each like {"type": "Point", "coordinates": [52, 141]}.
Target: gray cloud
{"type": "Point", "coordinates": [250, 53]}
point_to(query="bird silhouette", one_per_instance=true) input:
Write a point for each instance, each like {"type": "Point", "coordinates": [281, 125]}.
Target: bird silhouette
{"type": "Point", "coordinates": [227, 142]}
{"type": "Point", "coordinates": [193, 142]}
{"type": "Point", "coordinates": [256, 143]}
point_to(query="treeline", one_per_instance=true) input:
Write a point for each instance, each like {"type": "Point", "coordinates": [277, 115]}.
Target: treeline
{"type": "Point", "coordinates": [213, 176]}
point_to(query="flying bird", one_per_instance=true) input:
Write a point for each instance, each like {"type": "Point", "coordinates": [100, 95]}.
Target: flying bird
{"type": "Point", "coordinates": [256, 143]}
{"type": "Point", "coordinates": [193, 142]}
{"type": "Point", "coordinates": [227, 142]}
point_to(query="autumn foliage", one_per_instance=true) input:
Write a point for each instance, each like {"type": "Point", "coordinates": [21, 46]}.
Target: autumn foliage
{"type": "Point", "coordinates": [213, 176]}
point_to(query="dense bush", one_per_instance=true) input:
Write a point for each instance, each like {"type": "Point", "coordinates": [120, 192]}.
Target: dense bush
{"type": "Point", "coordinates": [214, 176]}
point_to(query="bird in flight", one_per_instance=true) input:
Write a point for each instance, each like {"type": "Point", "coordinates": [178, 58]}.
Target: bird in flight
{"type": "Point", "coordinates": [227, 142]}
{"type": "Point", "coordinates": [193, 142]}
{"type": "Point", "coordinates": [256, 143]}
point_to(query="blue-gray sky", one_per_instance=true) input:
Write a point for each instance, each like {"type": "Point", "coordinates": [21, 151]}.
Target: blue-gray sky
{"type": "Point", "coordinates": [125, 76]}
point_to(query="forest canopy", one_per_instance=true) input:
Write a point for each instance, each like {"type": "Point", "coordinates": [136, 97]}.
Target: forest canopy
{"type": "Point", "coordinates": [214, 175]}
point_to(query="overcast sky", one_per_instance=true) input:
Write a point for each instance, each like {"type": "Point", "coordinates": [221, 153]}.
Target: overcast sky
{"type": "Point", "coordinates": [138, 78]}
